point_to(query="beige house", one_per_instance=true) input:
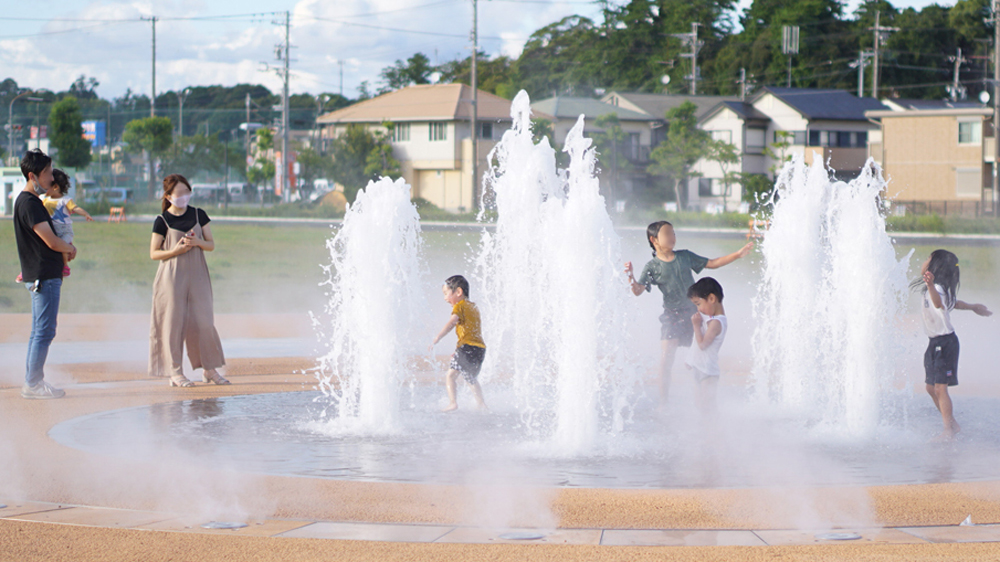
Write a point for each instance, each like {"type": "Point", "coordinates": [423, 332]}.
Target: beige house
{"type": "Point", "coordinates": [827, 124]}
{"type": "Point", "coordinates": [432, 137]}
{"type": "Point", "coordinates": [935, 155]}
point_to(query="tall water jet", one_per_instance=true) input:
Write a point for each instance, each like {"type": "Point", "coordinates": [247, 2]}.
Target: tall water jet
{"type": "Point", "coordinates": [825, 343]}
{"type": "Point", "coordinates": [552, 287]}
{"type": "Point", "coordinates": [375, 300]}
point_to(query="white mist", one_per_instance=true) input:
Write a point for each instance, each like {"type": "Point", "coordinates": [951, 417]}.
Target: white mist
{"type": "Point", "coordinates": [826, 341]}
{"type": "Point", "coordinates": [375, 301]}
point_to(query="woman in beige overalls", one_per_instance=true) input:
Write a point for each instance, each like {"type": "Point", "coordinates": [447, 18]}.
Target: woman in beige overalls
{"type": "Point", "coordinates": [182, 291]}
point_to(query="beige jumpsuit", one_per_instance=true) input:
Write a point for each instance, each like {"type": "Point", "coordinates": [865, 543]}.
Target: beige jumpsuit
{"type": "Point", "coordinates": [183, 312]}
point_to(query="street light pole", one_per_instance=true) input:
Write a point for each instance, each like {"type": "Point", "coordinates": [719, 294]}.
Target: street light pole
{"type": "Point", "coordinates": [10, 124]}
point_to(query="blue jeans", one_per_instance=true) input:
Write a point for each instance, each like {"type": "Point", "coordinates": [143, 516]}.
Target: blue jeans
{"type": "Point", "coordinates": [44, 310]}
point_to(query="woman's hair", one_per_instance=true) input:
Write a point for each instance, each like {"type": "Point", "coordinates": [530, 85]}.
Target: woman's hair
{"type": "Point", "coordinates": [944, 266]}
{"type": "Point", "coordinates": [169, 184]}
{"type": "Point", "coordinates": [652, 231]}
{"type": "Point", "coordinates": [458, 282]}
{"type": "Point", "coordinates": [60, 178]}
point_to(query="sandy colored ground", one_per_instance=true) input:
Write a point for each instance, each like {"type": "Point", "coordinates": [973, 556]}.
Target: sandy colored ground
{"type": "Point", "coordinates": [37, 468]}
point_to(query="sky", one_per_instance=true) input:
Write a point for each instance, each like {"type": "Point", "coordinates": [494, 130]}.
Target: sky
{"type": "Point", "coordinates": [48, 43]}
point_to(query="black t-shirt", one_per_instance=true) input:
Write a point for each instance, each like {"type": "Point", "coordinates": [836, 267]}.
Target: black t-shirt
{"type": "Point", "coordinates": [38, 261]}
{"type": "Point", "coordinates": [183, 222]}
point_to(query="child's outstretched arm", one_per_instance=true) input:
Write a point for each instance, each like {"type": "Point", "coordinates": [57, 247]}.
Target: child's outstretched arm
{"type": "Point", "coordinates": [726, 260]}
{"type": "Point", "coordinates": [979, 309]}
{"type": "Point", "coordinates": [637, 288]}
{"type": "Point", "coordinates": [452, 322]}
{"type": "Point", "coordinates": [80, 211]}
{"type": "Point", "coordinates": [712, 331]}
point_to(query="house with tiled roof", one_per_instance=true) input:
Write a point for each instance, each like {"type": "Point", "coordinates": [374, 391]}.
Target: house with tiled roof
{"type": "Point", "coordinates": [827, 124]}
{"type": "Point", "coordinates": [431, 137]}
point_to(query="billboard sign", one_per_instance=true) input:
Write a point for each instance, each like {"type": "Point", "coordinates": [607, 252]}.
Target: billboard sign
{"type": "Point", "coordinates": [95, 132]}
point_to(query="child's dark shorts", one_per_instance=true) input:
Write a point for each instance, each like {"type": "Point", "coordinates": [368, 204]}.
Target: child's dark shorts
{"type": "Point", "coordinates": [941, 360]}
{"type": "Point", "coordinates": [468, 359]}
{"type": "Point", "coordinates": [675, 324]}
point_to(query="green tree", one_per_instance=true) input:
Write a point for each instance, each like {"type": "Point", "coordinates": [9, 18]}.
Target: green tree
{"type": "Point", "coordinates": [313, 166]}
{"type": "Point", "coordinates": [361, 155]}
{"type": "Point", "coordinates": [416, 70]}
{"type": "Point", "coordinates": [153, 136]}
{"type": "Point", "coordinates": [726, 155]}
{"type": "Point", "coordinates": [685, 145]}
{"type": "Point", "coordinates": [608, 144]}
{"type": "Point", "coordinates": [198, 154]}
{"type": "Point", "coordinates": [492, 75]}
{"type": "Point", "coordinates": [777, 151]}
{"type": "Point", "coordinates": [67, 134]}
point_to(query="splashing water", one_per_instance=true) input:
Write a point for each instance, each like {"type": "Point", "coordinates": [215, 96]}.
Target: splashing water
{"type": "Point", "coordinates": [552, 288]}
{"type": "Point", "coordinates": [825, 345]}
{"type": "Point", "coordinates": [374, 303]}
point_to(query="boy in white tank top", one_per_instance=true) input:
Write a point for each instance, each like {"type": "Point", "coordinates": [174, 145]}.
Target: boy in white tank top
{"type": "Point", "coordinates": [709, 325]}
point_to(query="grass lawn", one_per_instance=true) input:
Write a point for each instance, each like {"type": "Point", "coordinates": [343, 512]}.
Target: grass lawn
{"type": "Point", "coordinates": [255, 268]}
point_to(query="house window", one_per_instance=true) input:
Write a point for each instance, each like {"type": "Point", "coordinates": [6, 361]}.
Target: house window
{"type": "Point", "coordinates": [968, 182]}
{"type": "Point", "coordinates": [755, 140]}
{"type": "Point", "coordinates": [704, 187]}
{"type": "Point", "coordinates": [798, 138]}
{"type": "Point", "coordinates": [401, 132]}
{"type": "Point", "coordinates": [814, 138]}
{"type": "Point", "coordinates": [711, 187]}
{"type": "Point", "coordinates": [633, 146]}
{"type": "Point", "coordinates": [486, 130]}
{"type": "Point", "coordinates": [970, 132]}
{"type": "Point", "coordinates": [844, 139]}
{"type": "Point", "coordinates": [438, 132]}
{"type": "Point", "coordinates": [861, 139]}
{"type": "Point", "coordinates": [724, 136]}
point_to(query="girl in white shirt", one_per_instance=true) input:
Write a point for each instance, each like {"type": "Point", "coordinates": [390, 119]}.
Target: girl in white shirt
{"type": "Point", "coordinates": [939, 282]}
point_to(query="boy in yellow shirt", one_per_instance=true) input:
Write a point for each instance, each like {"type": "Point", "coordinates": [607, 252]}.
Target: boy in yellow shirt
{"type": "Point", "coordinates": [471, 350]}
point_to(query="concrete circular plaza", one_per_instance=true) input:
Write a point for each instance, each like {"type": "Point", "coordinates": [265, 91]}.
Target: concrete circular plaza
{"type": "Point", "coordinates": [62, 503]}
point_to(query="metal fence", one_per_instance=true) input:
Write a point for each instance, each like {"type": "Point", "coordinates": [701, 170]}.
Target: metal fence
{"type": "Point", "coordinates": [943, 208]}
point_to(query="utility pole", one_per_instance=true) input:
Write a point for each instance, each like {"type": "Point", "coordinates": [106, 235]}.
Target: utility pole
{"type": "Point", "coordinates": [475, 106]}
{"type": "Point", "coordinates": [996, 105]}
{"type": "Point", "coordinates": [957, 90]}
{"type": "Point", "coordinates": [341, 77]}
{"type": "Point", "coordinates": [881, 33]}
{"type": "Point", "coordinates": [691, 39]}
{"type": "Point", "coordinates": [152, 97]}
{"type": "Point", "coordinates": [861, 63]}
{"type": "Point", "coordinates": [286, 108]}
{"type": "Point", "coordinates": [743, 84]}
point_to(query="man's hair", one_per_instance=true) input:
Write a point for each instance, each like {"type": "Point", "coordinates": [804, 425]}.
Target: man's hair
{"type": "Point", "coordinates": [458, 282]}
{"type": "Point", "coordinates": [61, 179]}
{"type": "Point", "coordinates": [704, 287]}
{"type": "Point", "coordinates": [34, 162]}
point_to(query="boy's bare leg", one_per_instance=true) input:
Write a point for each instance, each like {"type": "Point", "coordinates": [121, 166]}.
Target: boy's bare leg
{"type": "Point", "coordinates": [707, 387]}
{"type": "Point", "coordinates": [477, 391]}
{"type": "Point", "coordinates": [943, 401]}
{"type": "Point", "coordinates": [449, 382]}
{"type": "Point", "coordinates": [668, 348]}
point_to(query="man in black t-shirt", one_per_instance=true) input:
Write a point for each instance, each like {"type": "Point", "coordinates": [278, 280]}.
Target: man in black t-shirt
{"type": "Point", "coordinates": [40, 252]}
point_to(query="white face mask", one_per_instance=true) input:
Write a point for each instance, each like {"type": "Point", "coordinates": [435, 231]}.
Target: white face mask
{"type": "Point", "coordinates": [180, 201]}
{"type": "Point", "coordinates": [39, 190]}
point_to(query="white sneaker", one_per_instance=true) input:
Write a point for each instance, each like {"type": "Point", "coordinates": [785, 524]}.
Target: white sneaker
{"type": "Point", "coordinates": [41, 391]}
